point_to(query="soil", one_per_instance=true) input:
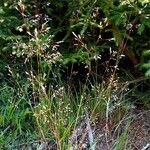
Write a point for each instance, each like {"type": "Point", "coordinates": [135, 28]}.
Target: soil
{"type": "Point", "coordinates": [137, 137]}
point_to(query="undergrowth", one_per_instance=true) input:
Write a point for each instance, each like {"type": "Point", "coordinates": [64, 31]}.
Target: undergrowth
{"type": "Point", "coordinates": [61, 76]}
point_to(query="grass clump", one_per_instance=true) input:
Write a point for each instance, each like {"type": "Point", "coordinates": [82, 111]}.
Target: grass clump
{"type": "Point", "coordinates": [62, 85]}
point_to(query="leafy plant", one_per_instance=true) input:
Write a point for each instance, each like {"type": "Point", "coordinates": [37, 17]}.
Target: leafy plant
{"type": "Point", "coordinates": [41, 38]}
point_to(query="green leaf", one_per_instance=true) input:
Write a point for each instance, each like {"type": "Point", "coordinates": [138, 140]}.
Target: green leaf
{"type": "Point", "coordinates": [147, 73]}
{"type": "Point", "coordinates": [141, 29]}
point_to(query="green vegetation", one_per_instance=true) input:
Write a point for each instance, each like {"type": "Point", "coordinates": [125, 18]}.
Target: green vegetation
{"type": "Point", "coordinates": [66, 65]}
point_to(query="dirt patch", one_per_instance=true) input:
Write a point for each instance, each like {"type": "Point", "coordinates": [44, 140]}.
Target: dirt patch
{"type": "Point", "coordinates": [137, 135]}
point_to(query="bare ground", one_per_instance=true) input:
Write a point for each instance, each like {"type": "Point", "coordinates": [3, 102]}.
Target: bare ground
{"type": "Point", "coordinates": [137, 137]}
